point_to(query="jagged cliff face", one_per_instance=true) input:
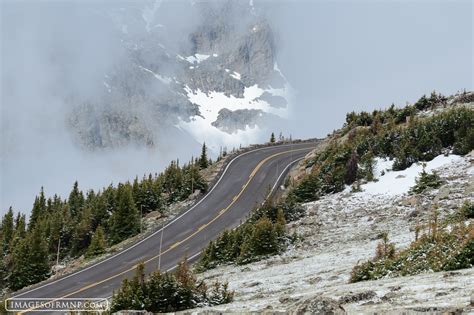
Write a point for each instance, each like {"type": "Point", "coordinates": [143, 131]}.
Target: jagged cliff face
{"type": "Point", "coordinates": [216, 82]}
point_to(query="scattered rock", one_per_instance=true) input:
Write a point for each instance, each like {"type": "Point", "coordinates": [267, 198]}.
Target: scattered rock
{"type": "Point", "coordinates": [441, 294]}
{"type": "Point", "coordinates": [443, 193]}
{"type": "Point", "coordinates": [451, 274]}
{"type": "Point", "coordinates": [314, 280]}
{"type": "Point", "coordinates": [356, 297]}
{"type": "Point", "coordinates": [438, 310]}
{"type": "Point", "coordinates": [319, 305]}
{"type": "Point", "coordinates": [397, 288]}
{"type": "Point", "coordinates": [410, 201]}
{"type": "Point", "coordinates": [287, 299]}
{"type": "Point", "coordinates": [413, 214]}
{"type": "Point", "coordinates": [253, 284]}
{"type": "Point", "coordinates": [390, 296]}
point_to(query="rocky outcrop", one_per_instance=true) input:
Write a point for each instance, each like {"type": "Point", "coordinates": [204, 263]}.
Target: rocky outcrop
{"type": "Point", "coordinates": [147, 92]}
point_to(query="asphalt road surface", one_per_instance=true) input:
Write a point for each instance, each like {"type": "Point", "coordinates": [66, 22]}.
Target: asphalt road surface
{"type": "Point", "coordinates": [245, 183]}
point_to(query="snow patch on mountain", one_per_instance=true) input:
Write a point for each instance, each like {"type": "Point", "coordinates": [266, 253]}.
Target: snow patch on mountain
{"type": "Point", "coordinates": [235, 75]}
{"type": "Point", "coordinates": [196, 58]}
{"type": "Point", "coordinates": [163, 79]}
{"type": "Point", "coordinates": [201, 128]}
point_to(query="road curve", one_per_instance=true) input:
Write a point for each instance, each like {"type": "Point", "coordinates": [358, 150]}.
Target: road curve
{"type": "Point", "coordinates": [245, 183]}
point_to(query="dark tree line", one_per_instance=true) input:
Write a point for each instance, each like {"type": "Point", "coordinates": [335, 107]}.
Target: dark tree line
{"type": "Point", "coordinates": [86, 223]}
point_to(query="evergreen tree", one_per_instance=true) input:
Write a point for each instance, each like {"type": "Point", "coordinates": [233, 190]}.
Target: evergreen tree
{"type": "Point", "coordinates": [262, 241]}
{"type": "Point", "coordinates": [39, 208]}
{"type": "Point", "coordinates": [3, 276]}
{"type": "Point", "coordinates": [76, 200]}
{"type": "Point", "coordinates": [203, 160]}
{"type": "Point", "coordinates": [166, 292]}
{"type": "Point", "coordinates": [193, 180]}
{"type": "Point", "coordinates": [272, 138]}
{"type": "Point", "coordinates": [20, 226]}
{"type": "Point", "coordinates": [173, 182]}
{"type": "Point", "coordinates": [29, 261]}
{"type": "Point", "coordinates": [98, 243]}
{"type": "Point", "coordinates": [7, 230]}
{"type": "Point", "coordinates": [100, 212]}
{"type": "Point", "coordinates": [125, 220]}
{"type": "Point", "coordinates": [82, 233]}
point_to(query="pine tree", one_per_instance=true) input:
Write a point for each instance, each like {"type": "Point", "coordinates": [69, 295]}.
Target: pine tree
{"type": "Point", "coordinates": [3, 276]}
{"type": "Point", "coordinates": [203, 160]}
{"type": "Point", "coordinates": [7, 230]}
{"type": "Point", "coordinates": [82, 233]}
{"type": "Point", "coordinates": [39, 208]}
{"type": "Point", "coordinates": [262, 241]}
{"type": "Point", "coordinates": [29, 261]}
{"type": "Point", "coordinates": [125, 220]}
{"type": "Point", "coordinates": [20, 227]}
{"type": "Point", "coordinates": [98, 243]}
{"type": "Point", "coordinates": [187, 286]}
{"type": "Point", "coordinates": [76, 200]}
{"type": "Point", "coordinates": [272, 138]}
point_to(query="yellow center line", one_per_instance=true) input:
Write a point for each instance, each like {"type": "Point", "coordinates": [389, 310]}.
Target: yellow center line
{"type": "Point", "coordinates": [244, 187]}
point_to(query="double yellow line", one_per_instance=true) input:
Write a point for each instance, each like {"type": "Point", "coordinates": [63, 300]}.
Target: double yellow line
{"type": "Point", "coordinates": [201, 228]}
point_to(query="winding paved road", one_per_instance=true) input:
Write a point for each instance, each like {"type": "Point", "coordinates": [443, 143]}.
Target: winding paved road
{"type": "Point", "coordinates": [244, 184]}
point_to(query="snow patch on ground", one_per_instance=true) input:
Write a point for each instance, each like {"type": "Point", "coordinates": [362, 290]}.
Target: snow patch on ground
{"type": "Point", "coordinates": [343, 229]}
{"type": "Point", "coordinates": [399, 182]}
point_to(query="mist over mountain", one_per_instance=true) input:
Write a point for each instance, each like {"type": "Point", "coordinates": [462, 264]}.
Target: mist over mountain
{"type": "Point", "coordinates": [192, 87]}
{"type": "Point", "coordinates": [103, 91]}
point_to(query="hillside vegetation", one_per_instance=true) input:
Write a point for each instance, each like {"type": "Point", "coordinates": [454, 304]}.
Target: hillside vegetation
{"type": "Point", "coordinates": [398, 134]}
{"type": "Point", "coordinates": [442, 246]}
{"type": "Point", "coordinates": [168, 292]}
{"type": "Point", "coordinates": [88, 223]}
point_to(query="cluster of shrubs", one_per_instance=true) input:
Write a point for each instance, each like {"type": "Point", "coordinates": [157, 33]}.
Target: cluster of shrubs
{"type": "Point", "coordinates": [262, 235]}
{"type": "Point", "coordinates": [438, 249]}
{"type": "Point", "coordinates": [349, 158]}
{"type": "Point", "coordinates": [168, 292]}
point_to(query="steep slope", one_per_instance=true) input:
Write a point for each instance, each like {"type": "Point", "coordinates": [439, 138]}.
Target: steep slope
{"type": "Point", "coordinates": [342, 230]}
{"type": "Point", "coordinates": [348, 219]}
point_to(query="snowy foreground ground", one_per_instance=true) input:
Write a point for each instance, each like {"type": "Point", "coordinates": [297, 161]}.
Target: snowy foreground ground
{"type": "Point", "coordinates": [343, 229]}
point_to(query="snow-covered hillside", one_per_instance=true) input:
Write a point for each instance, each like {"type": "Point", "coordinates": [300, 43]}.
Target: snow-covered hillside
{"type": "Point", "coordinates": [343, 229]}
